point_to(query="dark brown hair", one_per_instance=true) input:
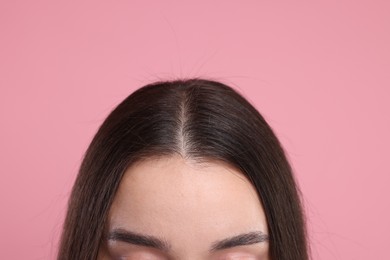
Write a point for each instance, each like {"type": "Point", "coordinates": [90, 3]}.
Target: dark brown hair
{"type": "Point", "coordinates": [198, 119]}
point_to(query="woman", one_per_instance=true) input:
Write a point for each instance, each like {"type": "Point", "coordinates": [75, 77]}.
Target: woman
{"type": "Point", "coordinates": [184, 169]}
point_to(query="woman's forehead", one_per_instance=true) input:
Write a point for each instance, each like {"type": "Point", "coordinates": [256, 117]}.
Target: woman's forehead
{"type": "Point", "coordinates": [171, 197]}
{"type": "Point", "coordinates": [175, 181]}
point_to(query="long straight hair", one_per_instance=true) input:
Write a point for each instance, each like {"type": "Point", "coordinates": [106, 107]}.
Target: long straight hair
{"type": "Point", "coordinates": [198, 119]}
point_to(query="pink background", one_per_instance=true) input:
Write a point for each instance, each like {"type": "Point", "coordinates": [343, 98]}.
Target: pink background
{"type": "Point", "coordinates": [319, 71]}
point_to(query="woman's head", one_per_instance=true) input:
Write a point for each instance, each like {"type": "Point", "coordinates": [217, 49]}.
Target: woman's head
{"type": "Point", "coordinates": [178, 157]}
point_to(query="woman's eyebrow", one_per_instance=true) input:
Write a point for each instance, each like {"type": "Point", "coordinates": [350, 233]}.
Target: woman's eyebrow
{"type": "Point", "coordinates": [130, 237]}
{"type": "Point", "coordinates": [240, 240]}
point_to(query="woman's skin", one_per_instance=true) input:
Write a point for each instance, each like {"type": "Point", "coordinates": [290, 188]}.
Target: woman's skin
{"type": "Point", "coordinates": [172, 208]}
